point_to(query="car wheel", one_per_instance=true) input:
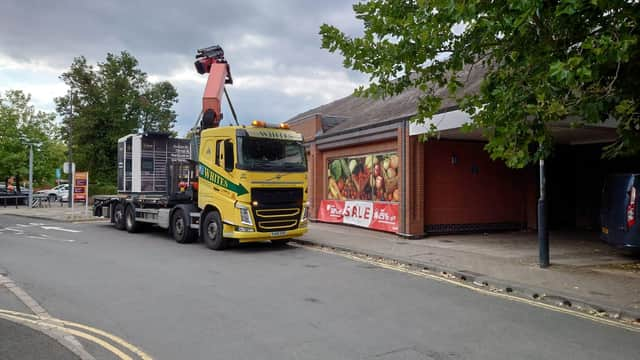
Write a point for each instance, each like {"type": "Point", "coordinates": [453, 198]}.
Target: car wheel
{"type": "Point", "coordinates": [118, 217]}
{"type": "Point", "coordinates": [130, 220]}
{"type": "Point", "coordinates": [212, 232]}
{"type": "Point", "coordinates": [52, 197]}
{"type": "Point", "coordinates": [180, 229]}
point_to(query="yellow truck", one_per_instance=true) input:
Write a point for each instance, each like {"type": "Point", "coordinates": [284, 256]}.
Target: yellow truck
{"type": "Point", "coordinates": [226, 185]}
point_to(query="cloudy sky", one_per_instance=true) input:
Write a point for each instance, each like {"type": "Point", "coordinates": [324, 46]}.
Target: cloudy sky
{"type": "Point", "coordinates": [273, 48]}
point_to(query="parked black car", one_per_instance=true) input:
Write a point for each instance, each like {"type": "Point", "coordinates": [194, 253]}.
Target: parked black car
{"type": "Point", "coordinates": [619, 211]}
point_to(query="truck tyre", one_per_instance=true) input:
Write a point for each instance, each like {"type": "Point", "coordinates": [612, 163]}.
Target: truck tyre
{"type": "Point", "coordinates": [180, 229]}
{"type": "Point", "coordinates": [212, 231]}
{"type": "Point", "coordinates": [280, 242]}
{"type": "Point", "coordinates": [118, 216]}
{"type": "Point", "coordinates": [130, 220]}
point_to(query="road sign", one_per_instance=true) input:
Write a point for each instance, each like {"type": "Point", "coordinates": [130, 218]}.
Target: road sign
{"type": "Point", "coordinates": [65, 167]}
{"type": "Point", "coordinates": [58, 173]}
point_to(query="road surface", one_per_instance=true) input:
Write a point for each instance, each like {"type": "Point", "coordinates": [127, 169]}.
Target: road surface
{"type": "Point", "coordinates": [263, 302]}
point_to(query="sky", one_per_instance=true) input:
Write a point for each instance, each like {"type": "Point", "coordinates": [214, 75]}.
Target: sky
{"type": "Point", "coordinates": [273, 48]}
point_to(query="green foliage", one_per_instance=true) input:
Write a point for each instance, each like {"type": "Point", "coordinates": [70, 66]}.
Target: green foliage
{"type": "Point", "coordinates": [110, 100]}
{"type": "Point", "coordinates": [102, 189]}
{"type": "Point", "coordinates": [21, 124]}
{"type": "Point", "coordinates": [544, 62]}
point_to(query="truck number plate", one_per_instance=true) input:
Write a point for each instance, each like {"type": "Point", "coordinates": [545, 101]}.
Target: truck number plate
{"type": "Point", "coordinates": [278, 233]}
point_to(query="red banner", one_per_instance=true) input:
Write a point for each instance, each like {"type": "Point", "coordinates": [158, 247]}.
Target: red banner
{"type": "Point", "coordinates": [369, 214]}
{"type": "Point", "coordinates": [331, 211]}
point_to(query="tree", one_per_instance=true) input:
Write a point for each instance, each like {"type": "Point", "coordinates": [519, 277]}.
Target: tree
{"type": "Point", "coordinates": [156, 106]}
{"type": "Point", "coordinates": [20, 124]}
{"type": "Point", "coordinates": [111, 100]}
{"type": "Point", "coordinates": [545, 61]}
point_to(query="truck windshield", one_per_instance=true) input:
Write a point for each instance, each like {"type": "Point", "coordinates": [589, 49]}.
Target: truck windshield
{"type": "Point", "coordinates": [270, 155]}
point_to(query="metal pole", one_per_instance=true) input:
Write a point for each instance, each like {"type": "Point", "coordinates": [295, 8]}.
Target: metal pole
{"type": "Point", "coordinates": [543, 231]}
{"type": "Point", "coordinates": [70, 169]}
{"type": "Point", "coordinates": [30, 175]}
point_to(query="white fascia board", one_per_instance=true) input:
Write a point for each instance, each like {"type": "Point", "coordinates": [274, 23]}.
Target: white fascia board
{"type": "Point", "coordinates": [443, 121]}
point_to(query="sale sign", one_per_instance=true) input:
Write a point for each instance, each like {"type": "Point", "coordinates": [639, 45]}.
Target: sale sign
{"type": "Point", "coordinates": [369, 214]}
{"type": "Point", "coordinates": [81, 186]}
{"type": "Point", "coordinates": [359, 213]}
{"type": "Point", "coordinates": [331, 211]}
{"type": "Point", "coordinates": [385, 217]}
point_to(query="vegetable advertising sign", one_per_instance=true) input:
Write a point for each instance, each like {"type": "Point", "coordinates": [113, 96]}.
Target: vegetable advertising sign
{"type": "Point", "coordinates": [370, 177]}
{"type": "Point", "coordinates": [363, 191]}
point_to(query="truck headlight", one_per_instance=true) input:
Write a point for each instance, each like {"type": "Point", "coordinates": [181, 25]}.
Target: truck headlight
{"type": "Point", "coordinates": [245, 216]}
{"type": "Point", "coordinates": [305, 212]}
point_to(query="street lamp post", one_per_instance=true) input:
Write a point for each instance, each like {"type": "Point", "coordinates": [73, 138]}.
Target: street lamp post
{"type": "Point", "coordinates": [70, 169]}
{"type": "Point", "coordinates": [543, 230]}
{"type": "Point", "coordinates": [30, 175]}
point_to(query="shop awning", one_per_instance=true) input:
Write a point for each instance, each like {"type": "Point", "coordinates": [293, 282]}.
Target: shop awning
{"type": "Point", "coordinates": [449, 125]}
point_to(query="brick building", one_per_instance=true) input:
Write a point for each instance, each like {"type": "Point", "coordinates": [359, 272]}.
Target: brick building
{"type": "Point", "coordinates": [444, 185]}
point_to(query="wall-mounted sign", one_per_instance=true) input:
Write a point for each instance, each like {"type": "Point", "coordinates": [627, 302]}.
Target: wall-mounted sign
{"type": "Point", "coordinates": [370, 177]}
{"type": "Point", "coordinates": [373, 215]}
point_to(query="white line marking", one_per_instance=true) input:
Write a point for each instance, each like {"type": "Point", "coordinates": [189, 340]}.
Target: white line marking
{"type": "Point", "coordinates": [60, 229]}
{"type": "Point", "coordinates": [36, 224]}
{"type": "Point", "coordinates": [48, 238]}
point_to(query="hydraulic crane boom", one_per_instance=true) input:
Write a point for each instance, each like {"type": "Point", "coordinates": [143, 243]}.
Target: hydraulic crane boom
{"type": "Point", "coordinates": [211, 60]}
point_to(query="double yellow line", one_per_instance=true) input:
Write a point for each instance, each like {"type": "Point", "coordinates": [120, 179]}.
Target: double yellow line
{"type": "Point", "coordinates": [403, 268]}
{"type": "Point", "coordinates": [89, 333]}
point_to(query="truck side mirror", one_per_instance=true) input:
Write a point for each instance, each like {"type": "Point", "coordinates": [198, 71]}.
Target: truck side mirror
{"type": "Point", "coordinates": [228, 155]}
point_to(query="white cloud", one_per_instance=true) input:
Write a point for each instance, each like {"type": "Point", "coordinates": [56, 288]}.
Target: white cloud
{"type": "Point", "coordinates": [327, 85]}
{"type": "Point", "coordinates": [184, 74]}
{"type": "Point", "coordinates": [249, 41]}
{"type": "Point", "coordinates": [31, 65]}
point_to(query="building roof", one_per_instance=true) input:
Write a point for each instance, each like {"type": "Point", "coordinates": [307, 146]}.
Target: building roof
{"type": "Point", "coordinates": [353, 112]}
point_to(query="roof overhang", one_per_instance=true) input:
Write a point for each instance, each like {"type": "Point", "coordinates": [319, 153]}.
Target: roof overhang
{"type": "Point", "coordinates": [449, 126]}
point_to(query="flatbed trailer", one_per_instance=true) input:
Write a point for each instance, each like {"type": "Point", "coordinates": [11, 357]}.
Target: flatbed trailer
{"type": "Point", "coordinates": [131, 212]}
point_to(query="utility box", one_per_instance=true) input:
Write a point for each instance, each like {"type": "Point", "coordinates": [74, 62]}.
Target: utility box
{"type": "Point", "coordinates": [143, 160]}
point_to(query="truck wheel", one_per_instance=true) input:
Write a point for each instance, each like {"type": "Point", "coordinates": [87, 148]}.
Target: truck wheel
{"type": "Point", "coordinates": [212, 231]}
{"type": "Point", "coordinates": [118, 217]}
{"type": "Point", "coordinates": [130, 220]}
{"type": "Point", "coordinates": [280, 242]}
{"type": "Point", "coordinates": [180, 228]}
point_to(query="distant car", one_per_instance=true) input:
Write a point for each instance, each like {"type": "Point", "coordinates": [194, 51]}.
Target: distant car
{"type": "Point", "coordinates": [56, 193]}
{"type": "Point", "coordinates": [619, 211]}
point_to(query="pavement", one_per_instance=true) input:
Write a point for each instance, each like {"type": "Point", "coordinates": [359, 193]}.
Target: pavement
{"type": "Point", "coordinates": [586, 274]}
{"type": "Point", "coordinates": [258, 301]}
{"type": "Point", "coordinates": [55, 211]}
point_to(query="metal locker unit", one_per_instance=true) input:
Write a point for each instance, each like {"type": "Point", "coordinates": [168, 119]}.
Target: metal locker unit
{"type": "Point", "coordinates": [143, 159]}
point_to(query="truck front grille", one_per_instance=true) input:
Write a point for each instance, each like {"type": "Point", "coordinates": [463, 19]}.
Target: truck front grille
{"type": "Point", "coordinates": [278, 208]}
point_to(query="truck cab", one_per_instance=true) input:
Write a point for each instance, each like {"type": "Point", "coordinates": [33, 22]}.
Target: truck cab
{"type": "Point", "coordinates": [252, 184]}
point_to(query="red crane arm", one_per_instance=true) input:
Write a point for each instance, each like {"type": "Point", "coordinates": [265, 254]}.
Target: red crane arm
{"type": "Point", "coordinates": [211, 60]}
